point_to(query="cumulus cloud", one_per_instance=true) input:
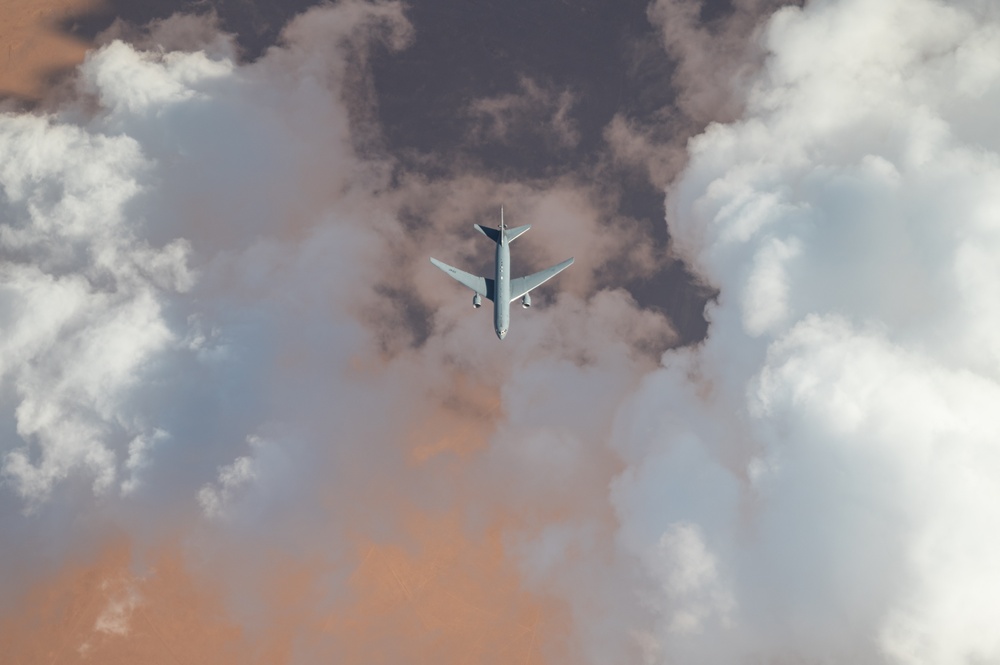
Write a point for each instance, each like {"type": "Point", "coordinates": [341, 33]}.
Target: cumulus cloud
{"type": "Point", "coordinates": [716, 60]}
{"type": "Point", "coordinates": [829, 450]}
{"type": "Point", "coordinates": [132, 227]}
{"type": "Point", "coordinates": [83, 298]}
{"type": "Point", "coordinates": [221, 320]}
{"type": "Point", "coordinates": [141, 220]}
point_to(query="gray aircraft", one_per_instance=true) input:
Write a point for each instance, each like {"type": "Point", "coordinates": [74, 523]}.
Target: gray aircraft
{"type": "Point", "coordinates": [502, 290]}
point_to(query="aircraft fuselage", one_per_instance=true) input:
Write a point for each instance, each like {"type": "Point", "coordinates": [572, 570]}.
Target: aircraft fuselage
{"type": "Point", "coordinates": [501, 303]}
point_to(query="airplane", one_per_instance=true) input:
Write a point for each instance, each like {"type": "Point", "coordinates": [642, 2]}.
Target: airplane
{"type": "Point", "coordinates": [502, 290]}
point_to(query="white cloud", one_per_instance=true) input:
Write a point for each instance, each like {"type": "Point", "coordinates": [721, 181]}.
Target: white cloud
{"type": "Point", "coordinates": [140, 457]}
{"type": "Point", "coordinates": [203, 255]}
{"type": "Point", "coordinates": [839, 422]}
{"type": "Point", "coordinates": [215, 498]}
{"type": "Point", "coordinates": [82, 296]}
{"type": "Point", "coordinates": [207, 256]}
{"type": "Point", "coordinates": [177, 188]}
{"type": "Point", "coordinates": [132, 83]}
{"type": "Point", "coordinates": [682, 565]}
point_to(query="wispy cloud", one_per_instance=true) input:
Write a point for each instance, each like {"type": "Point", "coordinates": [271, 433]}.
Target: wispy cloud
{"type": "Point", "coordinates": [533, 109]}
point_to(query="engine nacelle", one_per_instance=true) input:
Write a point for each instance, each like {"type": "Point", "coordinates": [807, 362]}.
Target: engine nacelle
{"type": "Point", "coordinates": [526, 301]}
{"type": "Point", "coordinates": [477, 301]}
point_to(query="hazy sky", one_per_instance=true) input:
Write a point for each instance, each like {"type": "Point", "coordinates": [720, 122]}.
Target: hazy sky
{"type": "Point", "coordinates": [244, 420]}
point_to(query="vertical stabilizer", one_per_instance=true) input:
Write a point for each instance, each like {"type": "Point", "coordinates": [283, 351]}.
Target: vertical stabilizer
{"type": "Point", "coordinates": [501, 218]}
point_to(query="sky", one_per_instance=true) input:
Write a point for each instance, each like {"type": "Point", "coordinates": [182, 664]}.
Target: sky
{"type": "Point", "coordinates": [244, 420]}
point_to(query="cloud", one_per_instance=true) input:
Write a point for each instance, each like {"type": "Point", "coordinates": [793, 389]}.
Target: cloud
{"type": "Point", "coordinates": [214, 498]}
{"type": "Point", "coordinates": [829, 442]}
{"type": "Point", "coordinates": [201, 253]}
{"type": "Point", "coordinates": [634, 145]}
{"type": "Point", "coordinates": [140, 450]}
{"type": "Point", "coordinates": [83, 297]}
{"type": "Point", "coordinates": [115, 618]}
{"type": "Point", "coordinates": [716, 61]}
{"type": "Point", "coordinates": [687, 570]}
{"type": "Point", "coordinates": [222, 336]}
{"type": "Point", "coordinates": [534, 109]}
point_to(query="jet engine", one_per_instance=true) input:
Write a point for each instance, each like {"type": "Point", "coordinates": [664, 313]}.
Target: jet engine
{"type": "Point", "coordinates": [477, 301]}
{"type": "Point", "coordinates": [526, 301]}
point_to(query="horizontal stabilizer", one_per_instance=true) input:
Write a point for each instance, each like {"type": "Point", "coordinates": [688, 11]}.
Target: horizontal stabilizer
{"type": "Point", "coordinates": [521, 285]}
{"type": "Point", "coordinates": [481, 285]}
{"type": "Point", "coordinates": [492, 234]}
{"type": "Point", "coordinates": [515, 232]}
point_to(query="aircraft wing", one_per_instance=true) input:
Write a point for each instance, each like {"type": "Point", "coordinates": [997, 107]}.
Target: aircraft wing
{"type": "Point", "coordinates": [521, 285]}
{"type": "Point", "coordinates": [481, 285]}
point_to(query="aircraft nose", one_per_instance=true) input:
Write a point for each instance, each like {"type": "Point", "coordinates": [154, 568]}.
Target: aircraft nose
{"type": "Point", "coordinates": [501, 333]}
